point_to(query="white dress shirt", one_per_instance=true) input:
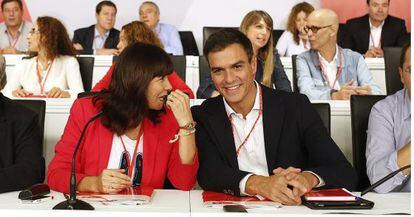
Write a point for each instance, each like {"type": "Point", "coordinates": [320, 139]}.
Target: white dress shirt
{"type": "Point", "coordinates": [252, 157]}
{"type": "Point", "coordinates": [286, 46]}
{"type": "Point", "coordinates": [331, 68]}
{"type": "Point", "coordinates": [376, 35]}
{"type": "Point", "coordinates": [21, 44]}
{"type": "Point", "coordinates": [64, 74]}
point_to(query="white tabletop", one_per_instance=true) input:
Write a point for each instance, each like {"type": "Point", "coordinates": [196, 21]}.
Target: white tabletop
{"type": "Point", "coordinates": [164, 203]}
{"type": "Point", "coordinates": [384, 204]}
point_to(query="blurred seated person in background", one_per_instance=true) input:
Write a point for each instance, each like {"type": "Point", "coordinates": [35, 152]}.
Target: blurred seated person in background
{"type": "Point", "coordinates": [295, 40]}
{"type": "Point", "coordinates": [141, 138]}
{"type": "Point", "coordinates": [327, 71]}
{"type": "Point", "coordinates": [389, 134]}
{"type": "Point", "coordinates": [258, 27]}
{"type": "Point", "coordinates": [102, 37]}
{"type": "Point", "coordinates": [14, 30]}
{"type": "Point", "coordinates": [21, 161]}
{"type": "Point", "coordinates": [137, 31]}
{"type": "Point", "coordinates": [370, 33]}
{"type": "Point", "coordinates": [149, 13]}
{"type": "Point", "coordinates": [253, 140]}
{"type": "Point", "coordinates": [51, 70]}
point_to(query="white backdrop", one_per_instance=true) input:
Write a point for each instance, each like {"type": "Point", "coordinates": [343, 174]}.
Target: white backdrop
{"type": "Point", "coordinates": [184, 14]}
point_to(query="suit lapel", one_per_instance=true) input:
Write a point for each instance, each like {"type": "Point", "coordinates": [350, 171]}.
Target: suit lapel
{"type": "Point", "coordinates": [221, 127]}
{"type": "Point", "coordinates": [91, 37]}
{"type": "Point", "coordinates": [273, 118]}
{"type": "Point", "coordinates": [3, 135]}
{"type": "Point", "coordinates": [365, 33]}
{"type": "Point", "coordinates": [385, 33]}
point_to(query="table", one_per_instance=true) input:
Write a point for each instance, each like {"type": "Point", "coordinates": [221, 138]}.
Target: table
{"type": "Point", "coordinates": [169, 203]}
{"type": "Point", "coordinates": [384, 204]}
{"type": "Point", "coordinates": [173, 203]}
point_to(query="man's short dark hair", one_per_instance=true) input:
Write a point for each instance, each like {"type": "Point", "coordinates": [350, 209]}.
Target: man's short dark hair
{"type": "Point", "coordinates": [104, 3]}
{"type": "Point", "coordinates": [403, 53]}
{"type": "Point", "coordinates": [220, 40]}
{"type": "Point", "coordinates": [368, 1]}
{"type": "Point", "coordinates": [19, 2]}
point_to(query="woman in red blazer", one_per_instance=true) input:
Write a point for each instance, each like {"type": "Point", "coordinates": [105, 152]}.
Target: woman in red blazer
{"type": "Point", "coordinates": [137, 31]}
{"type": "Point", "coordinates": [140, 120]}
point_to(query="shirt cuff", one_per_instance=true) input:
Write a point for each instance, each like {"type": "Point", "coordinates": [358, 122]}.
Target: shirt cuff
{"type": "Point", "coordinates": [94, 52]}
{"type": "Point", "coordinates": [321, 181]}
{"type": "Point", "coordinates": [242, 185]}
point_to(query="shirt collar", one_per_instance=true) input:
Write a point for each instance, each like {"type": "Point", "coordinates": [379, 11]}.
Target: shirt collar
{"type": "Point", "coordinates": [373, 27]}
{"type": "Point", "coordinates": [20, 28]}
{"type": "Point", "coordinates": [335, 59]}
{"type": "Point", "coordinates": [256, 105]}
{"type": "Point", "coordinates": [406, 105]}
{"type": "Point", "coordinates": [98, 35]}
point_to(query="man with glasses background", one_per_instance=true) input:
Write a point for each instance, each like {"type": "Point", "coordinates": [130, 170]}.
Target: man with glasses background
{"type": "Point", "coordinates": [327, 71]}
{"type": "Point", "coordinates": [14, 30]}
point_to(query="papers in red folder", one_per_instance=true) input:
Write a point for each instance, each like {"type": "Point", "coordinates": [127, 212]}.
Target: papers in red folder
{"type": "Point", "coordinates": [128, 196]}
{"type": "Point", "coordinates": [214, 199]}
{"type": "Point", "coordinates": [336, 194]}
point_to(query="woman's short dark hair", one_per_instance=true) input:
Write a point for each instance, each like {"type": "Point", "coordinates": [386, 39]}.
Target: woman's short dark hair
{"type": "Point", "coordinates": [124, 104]}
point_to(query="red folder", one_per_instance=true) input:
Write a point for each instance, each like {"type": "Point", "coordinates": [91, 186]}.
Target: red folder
{"type": "Point", "coordinates": [214, 199]}
{"type": "Point", "coordinates": [336, 194]}
{"type": "Point", "coordinates": [128, 196]}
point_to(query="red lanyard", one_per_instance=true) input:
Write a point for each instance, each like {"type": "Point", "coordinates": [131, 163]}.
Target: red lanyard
{"type": "Point", "coordinates": [338, 73]}
{"type": "Point", "coordinates": [372, 39]}
{"type": "Point", "coordinates": [39, 76]}
{"type": "Point", "coordinates": [11, 38]}
{"type": "Point", "coordinates": [254, 125]}
{"type": "Point", "coordinates": [132, 163]}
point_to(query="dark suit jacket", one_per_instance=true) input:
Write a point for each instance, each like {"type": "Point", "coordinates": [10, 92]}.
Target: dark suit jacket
{"type": "Point", "coordinates": [357, 35]}
{"type": "Point", "coordinates": [294, 136]}
{"type": "Point", "coordinates": [86, 35]}
{"type": "Point", "coordinates": [21, 161]}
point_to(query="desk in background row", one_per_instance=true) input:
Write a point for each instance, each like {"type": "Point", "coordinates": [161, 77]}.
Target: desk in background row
{"type": "Point", "coordinates": [104, 62]}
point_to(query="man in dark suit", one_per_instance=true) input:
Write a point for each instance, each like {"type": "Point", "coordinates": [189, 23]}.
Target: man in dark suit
{"type": "Point", "coordinates": [101, 38]}
{"type": "Point", "coordinates": [21, 161]}
{"type": "Point", "coordinates": [372, 32]}
{"type": "Point", "coordinates": [259, 141]}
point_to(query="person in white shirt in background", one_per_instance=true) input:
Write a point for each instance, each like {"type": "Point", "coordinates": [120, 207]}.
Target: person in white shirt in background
{"type": "Point", "coordinates": [13, 31]}
{"type": "Point", "coordinates": [295, 40]}
{"type": "Point", "coordinates": [51, 70]}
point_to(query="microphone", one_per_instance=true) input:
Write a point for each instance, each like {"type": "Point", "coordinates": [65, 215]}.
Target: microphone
{"type": "Point", "coordinates": [73, 203]}
{"type": "Point", "coordinates": [386, 178]}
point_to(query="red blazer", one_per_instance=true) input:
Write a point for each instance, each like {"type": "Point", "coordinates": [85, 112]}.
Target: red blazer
{"type": "Point", "coordinates": [160, 158]}
{"type": "Point", "coordinates": [175, 81]}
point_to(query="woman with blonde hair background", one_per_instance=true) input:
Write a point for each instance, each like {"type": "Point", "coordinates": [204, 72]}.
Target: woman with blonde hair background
{"type": "Point", "coordinates": [258, 27]}
{"type": "Point", "coordinates": [295, 40]}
